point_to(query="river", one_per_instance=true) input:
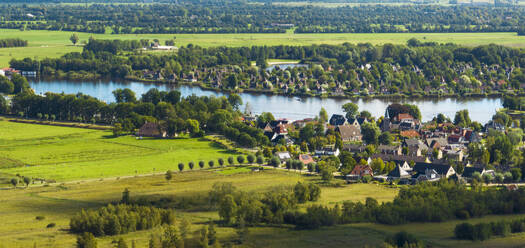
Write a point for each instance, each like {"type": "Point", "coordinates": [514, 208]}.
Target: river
{"type": "Point", "coordinates": [480, 109]}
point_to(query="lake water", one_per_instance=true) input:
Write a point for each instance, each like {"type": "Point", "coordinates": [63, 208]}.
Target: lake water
{"type": "Point", "coordinates": [480, 109]}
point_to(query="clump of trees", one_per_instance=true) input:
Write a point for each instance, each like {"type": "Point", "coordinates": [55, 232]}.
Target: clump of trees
{"type": "Point", "coordinates": [271, 207]}
{"type": "Point", "coordinates": [120, 219]}
{"type": "Point", "coordinates": [484, 231]}
{"type": "Point", "coordinates": [16, 42]}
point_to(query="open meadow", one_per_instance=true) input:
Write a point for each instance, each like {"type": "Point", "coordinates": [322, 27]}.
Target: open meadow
{"type": "Point", "coordinates": [56, 43]}
{"type": "Point", "coordinates": [65, 154]}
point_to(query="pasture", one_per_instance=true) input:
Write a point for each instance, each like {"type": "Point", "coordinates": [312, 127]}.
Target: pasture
{"type": "Point", "coordinates": [65, 154]}
{"type": "Point", "coordinates": [56, 43]}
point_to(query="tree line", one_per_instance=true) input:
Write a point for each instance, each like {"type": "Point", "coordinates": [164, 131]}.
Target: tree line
{"type": "Point", "coordinates": [244, 17]}
{"type": "Point", "coordinates": [363, 69]}
{"type": "Point", "coordinates": [16, 42]}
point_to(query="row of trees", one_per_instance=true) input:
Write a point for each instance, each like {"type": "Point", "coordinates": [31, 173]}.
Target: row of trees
{"type": "Point", "coordinates": [243, 17]}
{"type": "Point", "coordinates": [16, 42]}
{"type": "Point", "coordinates": [120, 219]}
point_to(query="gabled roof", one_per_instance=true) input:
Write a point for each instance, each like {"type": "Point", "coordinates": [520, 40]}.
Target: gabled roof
{"type": "Point", "coordinates": [441, 169]}
{"type": "Point", "coordinates": [151, 129]}
{"type": "Point", "coordinates": [398, 173]}
{"type": "Point", "coordinates": [361, 170]}
{"type": "Point", "coordinates": [349, 132]}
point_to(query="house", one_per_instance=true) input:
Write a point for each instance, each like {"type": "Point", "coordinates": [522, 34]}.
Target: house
{"type": "Point", "coordinates": [327, 151]}
{"type": "Point", "coordinates": [494, 125]}
{"type": "Point", "coordinates": [454, 155]}
{"type": "Point", "coordinates": [430, 175]}
{"type": "Point", "coordinates": [306, 159]}
{"type": "Point", "coordinates": [415, 143]}
{"type": "Point", "coordinates": [151, 129]}
{"type": "Point", "coordinates": [354, 148]}
{"type": "Point", "coordinates": [404, 118]}
{"type": "Point", "coordinates": [337, 120]}
{"type": "Point", "coordinates": [444, 170]}
{"type": "Point", "coordinates": [405, 166]}
{"type": "Point", "coordinates": [409, 134]}
{"type": "Point", "coordinates": [455, 139]}
{"type": "Point", "coordinates": [357, 121]}
{"type": "Point", "coordinates": [398, 173]}
{"type": "Point", "coordinates": [394, 150]}
{"type": "Point", "coordinates": [359, 172]}
{"type": "Point", "coordinates": [283, 156]}
{"type": "Point", "coordinates": [349, 133]}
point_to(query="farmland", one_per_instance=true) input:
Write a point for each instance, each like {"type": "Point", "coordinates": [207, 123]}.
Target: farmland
{"type": "Point", "coordinates": [56, 43]}
{"type": "Point", "coordinates": [64, 154]}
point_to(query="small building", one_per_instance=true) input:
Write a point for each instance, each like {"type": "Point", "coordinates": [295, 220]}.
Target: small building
{"type": "Point", "coordinates": [283, 156]}
{"type": "Point", "coordinates": [444, 170]}
{"type": "Point", "coordinates": [327, 151]}
{"type": "Point", "coordinates": [151, 129]}
{"type": "Point", "coordinates": [359, 172]}
{"type": "Point", "coordinates": [398, 173]}
{"type": "Point", "coordinates": [349, 133]}
{"type": "Point", "coordinates": [394, 150]}
{"type": "Point", "coordinates": [306, 159]}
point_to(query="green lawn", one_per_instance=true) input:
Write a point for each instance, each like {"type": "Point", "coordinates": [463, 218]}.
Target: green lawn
{"type": "Point", "coordinates": [56, 43]}
{"type": "Point", "coordinates": [64, 154]}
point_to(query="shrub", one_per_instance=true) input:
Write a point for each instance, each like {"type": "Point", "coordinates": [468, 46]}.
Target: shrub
{"type": "Point", "coordinates": [40, 217]}
{"type": "Point", "coordinates": [51, 225]}
{"type": "Point", "coordinates": [403, 239]}
{"type": "Point", "coordinates": [464, 231]}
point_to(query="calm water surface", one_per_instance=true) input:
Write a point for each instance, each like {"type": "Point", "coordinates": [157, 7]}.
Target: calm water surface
{"type": "Point", "coordinates": [480, 109]}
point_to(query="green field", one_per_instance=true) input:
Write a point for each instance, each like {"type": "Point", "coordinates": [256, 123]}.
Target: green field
{"type": "Point", "coordinates": [58, 203]}
{"type": "Point", "coordinates": [65, 154]}
{"type": "Point", "coordinates": [56, 43]}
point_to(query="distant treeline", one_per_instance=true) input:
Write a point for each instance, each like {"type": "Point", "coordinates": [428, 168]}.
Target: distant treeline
{"type": "Point", "coordinates": [244, 17]}
{"type": "Point", "coordinates": [120, 219]}
{"type": "Point", "coordinates": [416, 67]}
{"type": "Point", "coordinates": [16, 42]}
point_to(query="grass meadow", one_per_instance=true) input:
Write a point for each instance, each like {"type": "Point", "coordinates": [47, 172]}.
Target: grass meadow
{"type": "Point", "coordinates": [54, 44]}
{"type": "Point", "coordinates": [65, 154]}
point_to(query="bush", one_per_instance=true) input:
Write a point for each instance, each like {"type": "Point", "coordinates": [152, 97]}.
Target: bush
{"type": "Point", "coordinates": [464, 231]}
{"type": "Point", "coordinates": [482, 231]}
{"type": "Point", "coordinates": [40, 217]}
{"type": "Point", "coordinates": [462, 214]}
{"type": "Point", "coordinates": [51, 225]}
{"type": "Point", "coordinates": [501, 228]}
{"type": "Point", "coordinates": [403, 239]}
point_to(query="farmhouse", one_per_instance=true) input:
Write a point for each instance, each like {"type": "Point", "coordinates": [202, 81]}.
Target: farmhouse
{"type": "Point", "coordinates": [359, 172]}
{"type": "Point", "coordinates": [151, 129]}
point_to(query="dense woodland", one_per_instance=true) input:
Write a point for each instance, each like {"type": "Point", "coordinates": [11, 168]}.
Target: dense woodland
{"type": "Point", "coordinates": [418, 68]}
{"type": "Point", "coordinates": [247, 17]}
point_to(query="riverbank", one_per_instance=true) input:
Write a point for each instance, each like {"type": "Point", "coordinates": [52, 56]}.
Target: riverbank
{"type": "Point", "coordinates": [291, 107]}
{"type": "Point", "coordinates": [345, 96]}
